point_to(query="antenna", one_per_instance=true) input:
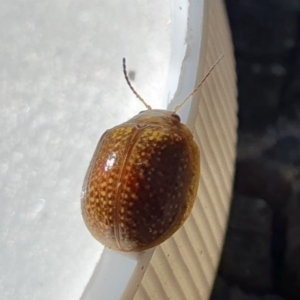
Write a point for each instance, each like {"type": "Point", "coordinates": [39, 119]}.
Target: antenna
{"type": "Point", "coordinates": [178, 107]}
{"type": "Point", "coordinates": [131, 87]}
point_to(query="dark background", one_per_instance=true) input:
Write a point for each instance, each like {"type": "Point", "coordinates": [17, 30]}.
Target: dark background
{"type": "Point", "coordinates": [261, 255]}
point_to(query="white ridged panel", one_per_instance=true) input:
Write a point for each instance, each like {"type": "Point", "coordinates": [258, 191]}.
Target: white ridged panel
{"type": "Point", "coordinates": [184, 266]}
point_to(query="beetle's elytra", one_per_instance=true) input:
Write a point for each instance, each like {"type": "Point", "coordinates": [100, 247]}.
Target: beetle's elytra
{"type": "Point", "coordinates": [142, 181]}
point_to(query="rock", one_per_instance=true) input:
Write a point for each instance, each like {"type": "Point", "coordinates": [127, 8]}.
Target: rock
{"type": "Point", "coordinates": [238, 294]}
{"type": "Point", "coordinates": [251, 146]}
{"type": "Point", "coordinates": [290, 99]}
{"type": "Point", "coordinates": [246, 260]}
{"type": "Point", "coordinates": [264, 179]}
{"type": "Point", "coordinates": [260, 82]}
{"type": "Point", "coordinates": [250, 215]}
{"type": "Point", "coordinates": [272, 297]}
{"type": "Point", "coordinates": [286, 151]}
{"type": "Point", "coordinates": [263, 28]}
{"type": "Point", "coordinates": [264, 35]}
{"type": "Point", "coordinates": [293, 212]}
{"type": "Point", "coordinates": [291, 277]}
{"type": "Point", "coordinates": [220, 290]}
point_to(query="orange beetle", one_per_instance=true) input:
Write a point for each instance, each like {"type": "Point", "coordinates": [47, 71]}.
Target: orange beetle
{"type": "Point", "coordinates": [142, 182]}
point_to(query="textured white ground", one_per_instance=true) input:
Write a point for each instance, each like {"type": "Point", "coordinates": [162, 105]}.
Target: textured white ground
{"type": "Point", "coordinates": [61, 87]}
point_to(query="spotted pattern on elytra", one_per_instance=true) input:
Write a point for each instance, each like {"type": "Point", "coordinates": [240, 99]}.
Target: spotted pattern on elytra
{"type": "Point", "coordinates": [142, 182]}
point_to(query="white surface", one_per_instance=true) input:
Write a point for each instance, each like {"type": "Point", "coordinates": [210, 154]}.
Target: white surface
{"type": "Point", "coordinates": [111, 276]}
{"type": "Point", "coordinates": [117, 275]}
{"type": "Point", "coordinates": [61, 87]}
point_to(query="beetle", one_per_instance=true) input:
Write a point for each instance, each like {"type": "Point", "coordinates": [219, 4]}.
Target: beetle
{"type": "Point", "coordinates": [143, 179]}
